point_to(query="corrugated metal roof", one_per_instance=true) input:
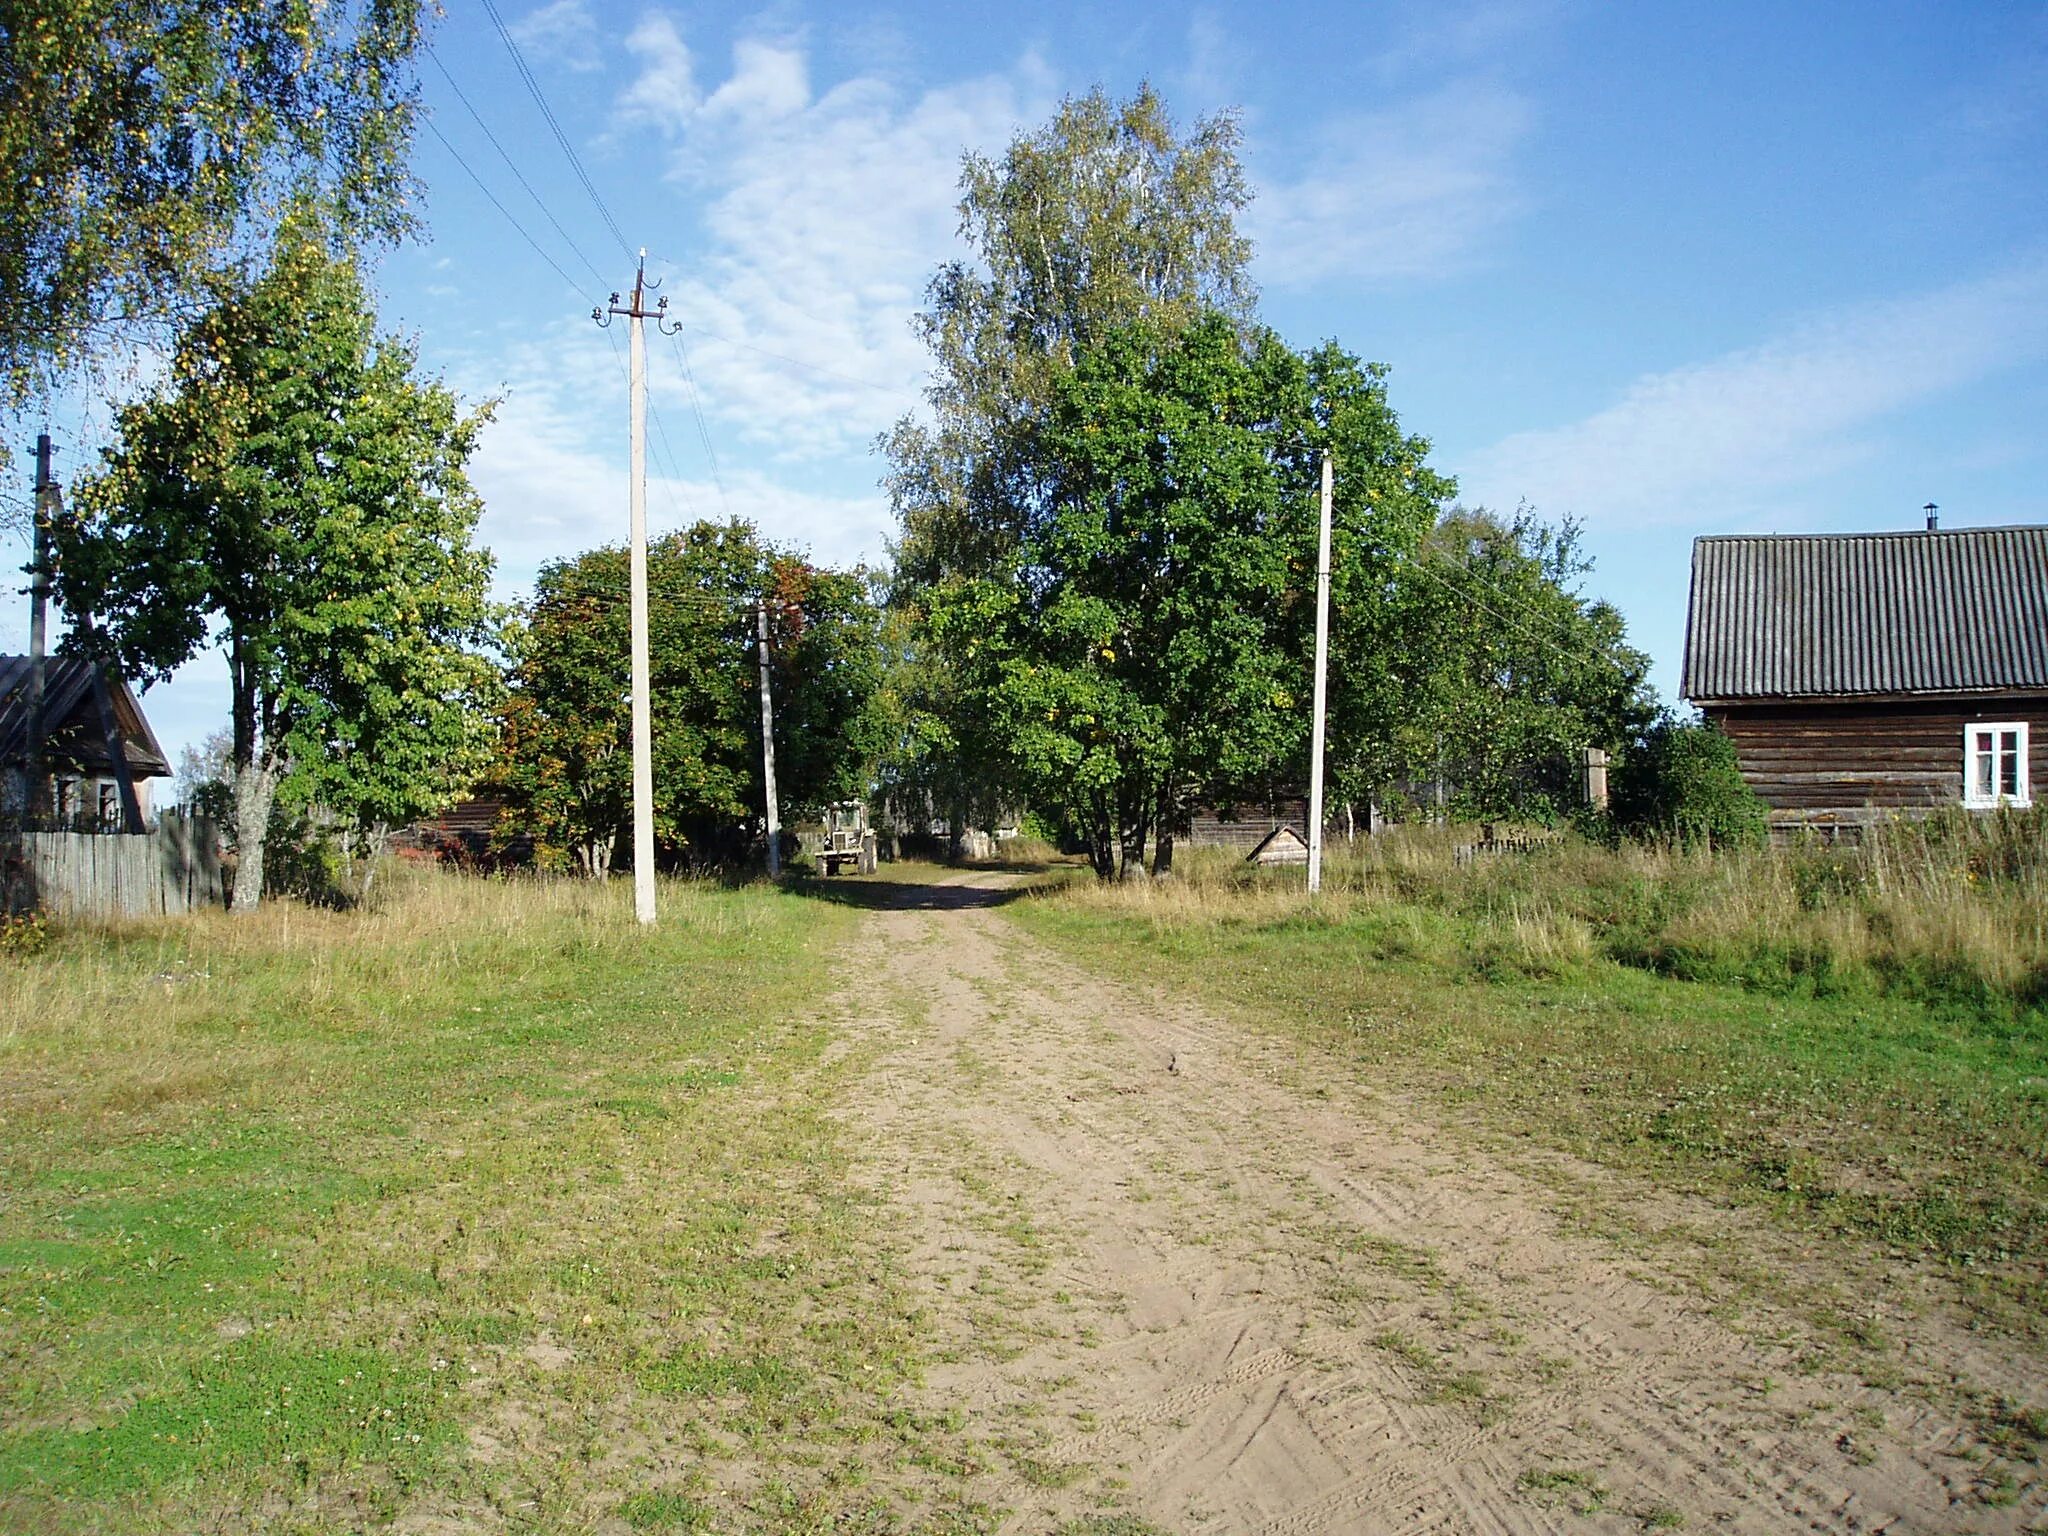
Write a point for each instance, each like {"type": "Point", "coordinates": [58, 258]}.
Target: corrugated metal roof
{"type": "Point", "coordinates": [67, 689]}
{"type": "Point", "coordinates": [1802, 615]}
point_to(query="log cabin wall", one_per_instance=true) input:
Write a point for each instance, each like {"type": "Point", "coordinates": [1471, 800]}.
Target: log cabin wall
{"type": "Point", "coordinates": [1843, 763]}
{"type": "Point", "coordinates": [1243, 826]}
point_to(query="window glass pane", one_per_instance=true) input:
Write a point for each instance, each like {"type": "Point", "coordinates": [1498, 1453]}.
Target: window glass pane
{"type": "Point", "coordinates": [1980, 769]}
{"type": "Point", "coordinates": [2009, 763]}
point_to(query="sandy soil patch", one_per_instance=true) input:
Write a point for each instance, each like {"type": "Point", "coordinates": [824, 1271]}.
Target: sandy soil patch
{"type": "Point", "coordinates": [1188, 1276]}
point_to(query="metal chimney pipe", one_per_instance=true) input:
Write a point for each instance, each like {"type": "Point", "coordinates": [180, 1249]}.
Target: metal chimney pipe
{"type": "Point", "coordinates": [1933, 522]}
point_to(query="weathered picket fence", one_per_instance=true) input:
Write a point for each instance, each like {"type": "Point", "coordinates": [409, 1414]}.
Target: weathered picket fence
{"type": "Point", "coordinates": [174, 869]}
{"type": "Point", "coordinates": [1492, 846]}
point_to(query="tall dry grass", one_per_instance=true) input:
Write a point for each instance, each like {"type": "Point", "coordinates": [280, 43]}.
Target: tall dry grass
{"type": "Point", "coordinates": [1953, 908]}
{"type": "Point", "coordinates": [134, 986]}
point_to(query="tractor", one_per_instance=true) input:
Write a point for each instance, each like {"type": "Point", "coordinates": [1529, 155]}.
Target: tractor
{"type": "Point", "coordinates": [848, 841]}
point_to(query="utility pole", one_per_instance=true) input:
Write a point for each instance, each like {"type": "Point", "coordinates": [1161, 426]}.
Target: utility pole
{"type": "Point", "coordinates": [768, 745]}
{"type": "Point", "coordinates": [39, 620]}
{"type": "Point", "coordinates": [643, 715]}
{"type": "Point", "coordinates": [1315, 759]}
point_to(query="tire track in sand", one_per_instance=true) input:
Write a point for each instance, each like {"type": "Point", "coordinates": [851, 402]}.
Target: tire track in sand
{"type": "Point", "coordinates": [1174, 1281]}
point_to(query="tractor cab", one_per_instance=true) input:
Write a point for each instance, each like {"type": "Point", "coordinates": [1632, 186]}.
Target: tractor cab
{"type": "Point", "coordinates": [849, 842]}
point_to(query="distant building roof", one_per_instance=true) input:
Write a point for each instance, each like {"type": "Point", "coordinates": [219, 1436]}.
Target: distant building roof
{"type": "Point", "coordinates": [71, 722]}
{"type": "Point", "coordinates": [1811, 615]}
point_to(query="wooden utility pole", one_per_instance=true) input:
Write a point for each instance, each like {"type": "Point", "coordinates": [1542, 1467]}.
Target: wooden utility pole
{"type": "Point", "coordinates": [1315, 758]}
{"type": "Point", "coordinates": [768, 745]}
{"type": "Point", "coordinates": [39, 621]}
{"type": "Point", "coordinates": [643, 715]}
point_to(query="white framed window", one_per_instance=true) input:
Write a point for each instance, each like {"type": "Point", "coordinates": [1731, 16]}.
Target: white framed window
{"type": "Point", "coordinates": [1995, 763]}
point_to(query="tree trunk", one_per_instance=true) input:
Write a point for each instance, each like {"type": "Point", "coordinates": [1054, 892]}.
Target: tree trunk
{"type": "Point", "coordinates": [255, 788]}
{"type": "Point", "coordinates": [1162, 848]}
{"type": "Point", "coordinates": [1101, 843]}
{"type": "Point", "coordinates": [1137, 822]}
{"type": "Point", "coordinates": [373, 849]}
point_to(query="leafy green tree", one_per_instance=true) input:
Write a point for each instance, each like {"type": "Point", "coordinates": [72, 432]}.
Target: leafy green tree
{"type": "Point", "coordinates": [1102, 217]}
{"type": "Point", "coordinates": [154, 146]}
{"type": "Point", "coordinates": [565, 756]}
{"type": "Point", "coordinates": [1150, 640]}
{"type": "Point", "coordinates": [295, 494]}
{"type": "Point", "coordinates": [1480, 669]}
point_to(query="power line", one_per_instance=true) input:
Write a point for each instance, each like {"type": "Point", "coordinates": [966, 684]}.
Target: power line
{"type": "Point", "coordinates": [1564, 652]}
{"type": "Point", "coordinates": [513, 166]}
{"type": "Point", "coordinates": [672, 480]}
{"type": "Point", "coordinates": [672, 474]}
{"type": "Point", "coordinates": [554, 124]}
{"type": "Point", "coordinates": [579, 586]}
{"type": "Point", "coordinates": [797, 362]}
{"type": "Point", "coordinates": [703, 432]}
{"type": "Point", "coordinates": [780, 297]}
{"type": "Point", "coordinates": [456, 155]}
{"type": "Point", "coordinates": [1522, 603]}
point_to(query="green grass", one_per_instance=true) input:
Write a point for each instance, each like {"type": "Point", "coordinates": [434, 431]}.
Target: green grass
{"type": "Point", "coordinates": [1909, 1123]}
{"type": "Point", "coordinates": [480, 1201]}
{"type": "Point", "coordinates": [1568, 1488]}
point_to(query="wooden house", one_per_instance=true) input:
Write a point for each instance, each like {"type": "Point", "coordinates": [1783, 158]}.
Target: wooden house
{"type": "Point", "coordinates": [1868, 675]}
{"type": "Point", "coordinates": [86, 709]}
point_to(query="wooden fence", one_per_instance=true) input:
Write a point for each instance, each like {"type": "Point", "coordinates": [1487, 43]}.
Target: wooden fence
{"type": "Point", "coordinates": [174, 869]}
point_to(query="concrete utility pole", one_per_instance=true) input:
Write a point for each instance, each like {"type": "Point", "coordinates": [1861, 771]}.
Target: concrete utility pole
{"type": "Point", "coordinates": [1315, 756]}
{"type": "Point", "coordinates": [643, 716]}
{"type": "Point", "coordinates": [768, 745]}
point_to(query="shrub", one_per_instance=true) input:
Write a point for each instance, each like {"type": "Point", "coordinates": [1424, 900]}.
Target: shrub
{"type": "Point", "coordinates": [1682, 782]}
{"type": "Point", "coordinates": [23, 935]}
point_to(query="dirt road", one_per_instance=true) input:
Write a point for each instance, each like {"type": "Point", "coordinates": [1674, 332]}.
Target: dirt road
{"type": "Point", "coordinates": [1191, 1276]}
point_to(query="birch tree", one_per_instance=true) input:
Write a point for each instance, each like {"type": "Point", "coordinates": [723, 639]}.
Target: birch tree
{"type": "Point", "coordinates": [154, 146]}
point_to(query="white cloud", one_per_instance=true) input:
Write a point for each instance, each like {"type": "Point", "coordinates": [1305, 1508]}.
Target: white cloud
{"type": "Point", "coordinates": [824, 214]}
{"type": "Point", "coordinates": [562, 33]}
{"type": "Point", "coordinates": [664, 94]}
{"type": "Point", "coordinates": [551, 468]}
{"type": "Point", "coordinates": [1429, 33]}
{"type": "Point", "coordinates": [768, 81]}
{"type": "Point", "coordinates": [1412, 191]}
{"type": "Point", "coordinates": [1683, 446]}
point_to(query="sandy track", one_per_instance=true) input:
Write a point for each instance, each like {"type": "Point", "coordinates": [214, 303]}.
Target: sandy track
{"type": "Point", "coordinates": [1210, 1280]}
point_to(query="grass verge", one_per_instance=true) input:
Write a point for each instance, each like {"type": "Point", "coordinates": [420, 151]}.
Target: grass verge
{"type": "Point", "coordinates": [483, 1205]}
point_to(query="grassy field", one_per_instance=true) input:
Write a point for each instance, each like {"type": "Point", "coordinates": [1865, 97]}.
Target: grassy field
{"type": "Point", "coordinates": [1857, 1046]}
{"type": "Point", "coordinates": [483, 1207]}
{"type": "Point", "coordinates": [479, 1201]}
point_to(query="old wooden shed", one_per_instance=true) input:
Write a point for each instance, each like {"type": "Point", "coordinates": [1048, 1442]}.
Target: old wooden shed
{"type": "Point", "coordinates": [1865, 675]}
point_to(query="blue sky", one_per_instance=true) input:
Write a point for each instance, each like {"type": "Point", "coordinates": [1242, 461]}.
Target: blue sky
{"type": "Point", "coordinates": [1668, 269]}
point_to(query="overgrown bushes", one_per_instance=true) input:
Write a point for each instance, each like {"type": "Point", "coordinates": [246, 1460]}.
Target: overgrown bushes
{"type": "Point", "coordinates": [1682, 782]}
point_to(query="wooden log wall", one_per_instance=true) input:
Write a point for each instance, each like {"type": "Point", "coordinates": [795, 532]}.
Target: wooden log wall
{"type": "Point", "coordinates": [1243, 826]}
{"type": "Point", "coordinates": [1823, 762]}
{"type": "Point", "coordinates": [172, 870]}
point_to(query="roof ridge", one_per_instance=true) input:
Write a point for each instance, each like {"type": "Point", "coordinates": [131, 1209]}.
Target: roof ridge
{"type": "Point", "coordinates": [1882, 533]}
